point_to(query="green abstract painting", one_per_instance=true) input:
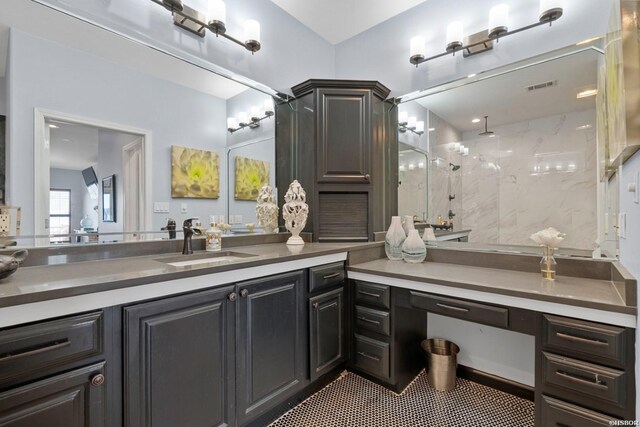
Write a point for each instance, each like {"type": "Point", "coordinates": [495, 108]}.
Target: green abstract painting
{"type": "Point", "coordinates": [251, 176]}
{"type": "Point", "coordinates": [194, 173]}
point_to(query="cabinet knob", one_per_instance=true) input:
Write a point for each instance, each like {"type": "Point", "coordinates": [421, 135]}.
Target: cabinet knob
{"type": "Point", "coordinates": [316, 305]}
{"type": "Point", "coordinates": [232, 296]}
{"type": "Point", "coordinates": [244, 293]}
{"type": "Point", "coordinates": [367, 177]}
{"type": "Point", "coordinates": [97, 380]}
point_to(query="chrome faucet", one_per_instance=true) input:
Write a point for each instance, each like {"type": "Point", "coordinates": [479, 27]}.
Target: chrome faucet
{"type": "Point", "coordinates": [170, 227]}
{"type": "Point", "coordinates": [189, 230]}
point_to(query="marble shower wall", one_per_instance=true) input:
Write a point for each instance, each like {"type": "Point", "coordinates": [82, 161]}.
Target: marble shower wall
{"type": "Point", "coordinates": [412, 185]}
{"type": "Point", "coordinates": [439, 171]}
{"type": "Point", "coordinates": [533, 175]}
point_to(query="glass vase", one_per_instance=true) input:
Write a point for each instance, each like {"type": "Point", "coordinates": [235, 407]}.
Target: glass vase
{"type": "Point", "coordinates": [413, 249]}
{"type": "Point", "coordinates": [548, 264]}
{"type": "Point", "coordinates": [394, 239]}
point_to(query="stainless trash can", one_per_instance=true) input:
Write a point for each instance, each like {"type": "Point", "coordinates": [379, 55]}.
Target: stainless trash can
{"type": "Point", "coordinates": [441, 357]}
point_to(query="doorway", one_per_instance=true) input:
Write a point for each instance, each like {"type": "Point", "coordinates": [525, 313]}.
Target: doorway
{"type": "Point", "coordinates": [84, 153]}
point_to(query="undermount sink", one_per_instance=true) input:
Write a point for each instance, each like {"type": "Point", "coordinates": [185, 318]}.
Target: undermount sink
{"type": "Point", "coordinates": [225, 257]}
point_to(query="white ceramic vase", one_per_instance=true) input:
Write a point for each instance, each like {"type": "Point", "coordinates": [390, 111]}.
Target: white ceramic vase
{"type": "Point", "coordinates": [393, 240]}
{"type": "Point", "coordinates": [429, 236]}
{"type": "Point", "coordinates": [267, 210]}
{"type": "Point", "coordinates": [407, 225]}
{"type": "Point", "coordinates": [295, 212]}
{"type": "Point", "coordinates": [413, 248]}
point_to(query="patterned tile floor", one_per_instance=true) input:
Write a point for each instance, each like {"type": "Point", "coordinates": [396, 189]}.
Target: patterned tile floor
{"type": "Point", "coordinates": [354, 401]}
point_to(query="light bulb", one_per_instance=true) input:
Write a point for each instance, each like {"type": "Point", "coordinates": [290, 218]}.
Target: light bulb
{"type": "Point", "coordinates": [466, 151]}
{"type": "Point", "coordinates": [454, 35]}
{"type": "Point", "coordinates": [252, 30]}
{"type": "Point", "coordinates": [403, 117]}
{"type": "Point", "coordinates": [232, 123]}
{"type": "Point", "coordinates": [550, 10]}
{"type": "Point", "coordinates": [461, 149]}
{"type": "Point", "coordinates": [420, 126]}
{"type": "Point", "coordinates": [498, 20]}
{"type": "Point", "coordinates": [217, 13]}
{"type": "Point", "coordinates": [417, 49]}
{"type": "Point", "coordinates": [268, 106]}
{"type": "Point", "coordinates": [255, 112]}
{"type": "Point", "coordinates": [243, 118]}
{"type": "Point", "coordinates": [411, 123]}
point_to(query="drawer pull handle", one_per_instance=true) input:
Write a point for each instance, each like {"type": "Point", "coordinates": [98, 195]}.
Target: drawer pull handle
{"type": "Point", "coordinates": [244, 293]}
{"type": "Point", "coordinates": [595, 383]}
{"type": "Point", "coordinates": [48, 347]}
{"type": "Point", "coordinates": [369, 294]}
{"type": "Point", "coordinates": [574, 338]}
{"type": "Point", "coordinates": [364, 319]}
{"type": "Point", "coordinates": [452, 308]}
{"type": "Point", "coordinates": [97, 380]}
{"type": "Point", "coordinates": [368, 356]}
{"type": "Point", "coordinates": [331, 276]}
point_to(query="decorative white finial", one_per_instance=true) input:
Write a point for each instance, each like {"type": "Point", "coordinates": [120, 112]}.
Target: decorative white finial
{"type": "Point", "coordinates": [295, 212]}
{"type": "Point", "coordinates": [267, 210]}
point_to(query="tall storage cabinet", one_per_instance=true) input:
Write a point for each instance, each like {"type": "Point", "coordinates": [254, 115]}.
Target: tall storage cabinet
{"type": "Point", "coordinates": [338, 139]}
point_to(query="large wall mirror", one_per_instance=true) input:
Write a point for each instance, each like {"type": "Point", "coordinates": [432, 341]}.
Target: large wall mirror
{"type": "Point", "coordinates": [88, 104]}
{"type": "Point", "coordinates": [509, 152]}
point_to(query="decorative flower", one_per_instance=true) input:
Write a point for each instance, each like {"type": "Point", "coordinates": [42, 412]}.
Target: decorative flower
{"type": "Point", "coordinates": [548, 237]}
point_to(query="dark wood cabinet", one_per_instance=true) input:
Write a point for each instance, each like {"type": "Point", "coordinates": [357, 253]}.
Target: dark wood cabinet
{"type": "Point", "coordinates": [75, 398]}
{"type": "Point", "coordinates": [271, 342]}
{"type": "Point", "coordinates": [340, 142]}
{"type": "Point", "coordinates": [179, 360]}
{"type": "Point", "coordinates": [326, 332]}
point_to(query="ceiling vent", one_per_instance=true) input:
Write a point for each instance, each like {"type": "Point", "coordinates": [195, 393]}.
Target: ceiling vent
{"type": "Point", "coordinates": [542, 85]}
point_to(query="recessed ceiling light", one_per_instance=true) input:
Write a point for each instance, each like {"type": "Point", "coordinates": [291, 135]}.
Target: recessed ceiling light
{"type": "Point", "coordinates": [52, 126]}
{"type": "Point", "coordinates": [583, 127]}
{"type": "Point", "coordinates": [493, 135]}
{"type": "Point", "coordinates": [587, 93]}
{"type": "Point", "coordinates": [476, 120]}
{"type": "Point", "coordinates": [432, 129]}
{"type": "Point", "coordinates": [471, 75]}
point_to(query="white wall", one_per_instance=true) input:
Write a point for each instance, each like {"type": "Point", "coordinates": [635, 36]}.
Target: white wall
{"type": "Point", "coordinates": [3, 96]}
{"type": "Point", "coordinates": [382, 53]}
{"type": "Point", "coordinates": [66, 179]}
{"type": "Point", "coordinates": [290, 53]}
{"type": "Point", "coordinates": [80, 84]}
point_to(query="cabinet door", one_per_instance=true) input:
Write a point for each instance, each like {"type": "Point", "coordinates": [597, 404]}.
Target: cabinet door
{"type": "Point", "coordinates": [271, 334]}
{"type": "Point", "coordinates": [179, 361]}
{"type": "Point", "coordinates": [344, 136]}
{"type": "Point", "coordinates": [326, 332]}
{"type": "Point", "coordinates": [73, 399]}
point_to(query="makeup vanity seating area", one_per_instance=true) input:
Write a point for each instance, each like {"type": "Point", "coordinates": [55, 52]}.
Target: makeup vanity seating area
{"type": "Point", "coordinates": [136, 341]}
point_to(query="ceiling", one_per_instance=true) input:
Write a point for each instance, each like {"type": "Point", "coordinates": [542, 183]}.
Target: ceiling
{"type": "Point", "coordinates": [339, 20]}
{"type": "Point", "coordinates": [48, 24]}
{"type": "Point", "coordinates": [505, 98]}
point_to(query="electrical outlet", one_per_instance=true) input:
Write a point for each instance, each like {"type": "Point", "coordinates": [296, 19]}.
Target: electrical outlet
{"type": "Point", "coordinates": [238, 219]}
{"type": "Point", "coordinates": [5, 222]}
{"type": "Point", "coordinates": [183, 208]}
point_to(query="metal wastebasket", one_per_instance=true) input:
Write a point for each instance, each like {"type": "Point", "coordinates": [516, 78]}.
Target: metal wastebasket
{"type": "Point", "coordinates": [441, 357]}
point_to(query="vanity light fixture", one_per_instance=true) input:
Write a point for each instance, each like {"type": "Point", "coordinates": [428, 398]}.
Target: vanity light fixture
{"type": "Point", "coordinates": [214, 20]}
{"type": "Point", "coordinates": [410, 124]}
{"type": "Point", "coordinates": [253, 119]}
{"type": "Point", "coordinates": [550, 10]}
{"type": "Point", "coordinates": [476, 120]}
{"type": "Point", "coordinates": [432, 129]}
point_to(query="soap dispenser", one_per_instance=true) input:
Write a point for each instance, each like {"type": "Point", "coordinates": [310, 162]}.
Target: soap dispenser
{"type": "Point", "coordinates": [213, 236]}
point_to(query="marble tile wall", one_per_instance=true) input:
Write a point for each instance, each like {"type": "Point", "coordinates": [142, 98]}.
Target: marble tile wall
{"type": "Point", "coordinates": [412, 185]}
{"type": "Point", "coordinates": [533, 175]}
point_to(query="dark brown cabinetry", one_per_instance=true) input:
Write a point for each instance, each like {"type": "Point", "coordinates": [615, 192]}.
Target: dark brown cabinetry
{"type": "Point", "coordinates": [327, 326]}
{"type": "Point", "coordinates": [179, 360]}
{"type": "Point", "coordinates": [338, 139]}
{"type": "Point", "coordinates": [584, 372]}
{"type": "Point", "coordinates": [54, 373]}
{"type": "Point", "coordinates": [271, 342]}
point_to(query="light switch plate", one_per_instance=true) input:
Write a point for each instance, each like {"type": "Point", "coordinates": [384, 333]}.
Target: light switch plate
{"type": "Point", "coordinates": [161, 207]}
{"type": "Point", "coordinates": [183, 208]}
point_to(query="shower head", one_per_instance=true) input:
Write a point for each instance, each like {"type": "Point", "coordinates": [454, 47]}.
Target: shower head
{"type": "Point", "coordinates": [486, 132]}
{"type": "Point", "coordinates": [454, 167]}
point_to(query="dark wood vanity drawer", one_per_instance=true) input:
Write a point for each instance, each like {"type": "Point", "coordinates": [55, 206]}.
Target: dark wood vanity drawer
{"type": "Point", "coordinates": [584, 379]}
{"type": "Point", "coordinates": [32, 348]}
{"type": "Point", "coordinates": [372, 356]}
{"type": "Point", "coordinates": [373, 320]}
{"type": "Point", "coordinates": [562, 414]}
{"type": "Point", "coordinates": [466, 310]}
{"type": "Point", "coordinates": [591, 341]}
{"type": "Point", "coordinates": [374, 294]}
{"type": "Point", "coordinates": [326, 276]}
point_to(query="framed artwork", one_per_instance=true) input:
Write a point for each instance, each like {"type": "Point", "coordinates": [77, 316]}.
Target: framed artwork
{"type": "Point", "coordinates": [109, 199]}
{"type": "Point", "coordinates": [251, 176]}
{"type": "Point", "coordinates": [194, 173]}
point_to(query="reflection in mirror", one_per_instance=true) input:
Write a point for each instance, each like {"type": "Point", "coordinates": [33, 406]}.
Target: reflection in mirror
{"type": "Point", "coordinates": [513, 152]}
{"type": "Point", "coordinates": [110, 106]}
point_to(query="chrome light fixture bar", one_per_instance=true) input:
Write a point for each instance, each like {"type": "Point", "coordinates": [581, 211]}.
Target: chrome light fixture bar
{"type": "Point", "coordinates": [411, 124]}
{"type": "Point", "coordinates": [197, 22]}
{"type": "Point", "coordinates": [550, 10]}
{"type": "Point", "coordinates": [251, 120]}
